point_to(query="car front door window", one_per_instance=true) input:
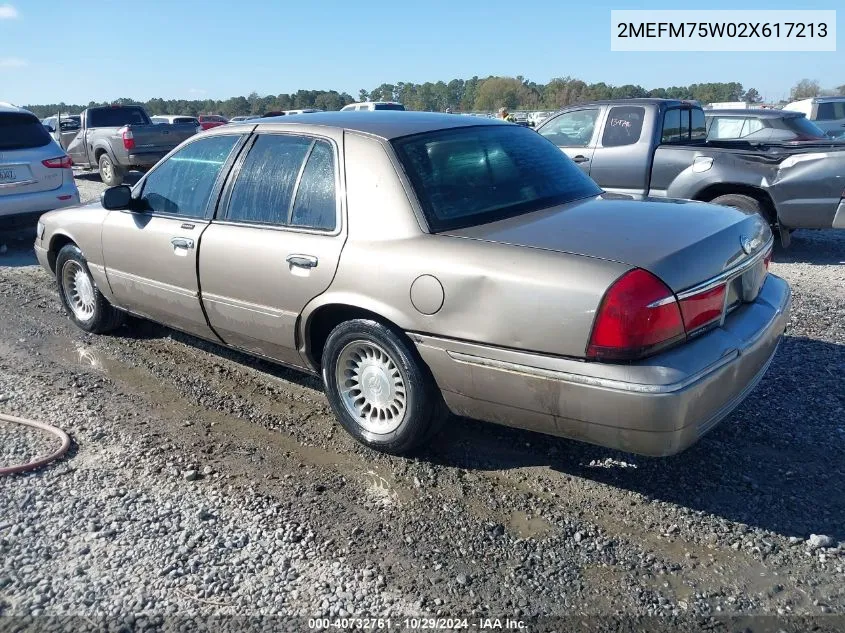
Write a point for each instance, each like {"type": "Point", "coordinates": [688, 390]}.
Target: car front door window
{"type": "Point", "coordinates": [572, 129]}
{"type": "Point", "coordinates": [183, 183]}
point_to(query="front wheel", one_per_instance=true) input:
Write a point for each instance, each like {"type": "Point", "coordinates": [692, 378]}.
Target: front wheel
{"type": "Point", "coordinates": [85, 304]}
{"type": "Point", "coordinates": [379, 389]}
{"type": "Point", "coordinates": [110, 173]}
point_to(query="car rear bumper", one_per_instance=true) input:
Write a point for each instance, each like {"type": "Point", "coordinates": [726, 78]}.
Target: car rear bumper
{"type": "Point", "coordinates": [658, 406]}
{"type": "Point", "coordinates": [145, 159]}
{"type": "Point", "coordinates": [39, 201]}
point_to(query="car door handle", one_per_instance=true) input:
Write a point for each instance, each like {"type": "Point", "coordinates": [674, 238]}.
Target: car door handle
{"type": "Point", "coordinates": [580, 159]}
{"type": "Point", "coordinates": [182, 242]}
{"type": "Point", "coordinates": [302, 261]}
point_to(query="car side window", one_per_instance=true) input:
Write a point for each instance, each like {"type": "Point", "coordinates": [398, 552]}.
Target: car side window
{"type": "Point", "coordinates": [315, 206]}
{"type": "Point", "coordinates": [182, 184]}
{"type": "Point", "coordinates": [572, 129]}
{"type": "Point", "coordinates": [624, 126]}
{"type": "Point", "coordinates": [264, 189]}
{"type": "Point", "coordinates": [830, 111]}
{"type": "Point", "coordinates": [671, 126]}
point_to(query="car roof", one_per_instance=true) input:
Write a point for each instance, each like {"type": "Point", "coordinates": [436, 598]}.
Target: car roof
{"type": "Point", "coordinates": [762, 113]}
{"type": "Point", "coordinates": [5, 106]}
{"type": "Point", "coordinates": [387, 124]}
{"type": "Point", "coordinates": [637, 101]}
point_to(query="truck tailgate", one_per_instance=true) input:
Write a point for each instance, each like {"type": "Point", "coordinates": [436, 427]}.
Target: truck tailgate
{"type": "Point", "coordinates": [161, 137]}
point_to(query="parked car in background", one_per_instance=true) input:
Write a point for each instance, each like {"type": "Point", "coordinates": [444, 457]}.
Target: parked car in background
{"type": "Point", "coordinates": [761, 126]}
{"type": "Point", "coordinates": [70, 124]}
{"type": "Point", "coordinates": [536, 118]}
{"type": "Point", "coordinates": [244, 117]}
{"type": "Point", "coordinates": [208, 121]}
{"type": "Point", "coordinates": [115, 139]}
{"type": "Point", "coordinates": [659, 148]}
{"type": "Point", "coordinates": [658, 317]}
{"type": "Point", "coordinates": [177, 118]}
{"type": "Point", "coordinates": [368, 106]}
{"type": "Point", "coordinates": [826, 112]}
{"type": "Point", "coordinates": [303, 111]}
{"type": "Point", "coordinates": [35, 173]}
{"type": "Point", "coordinates": [273, 113]}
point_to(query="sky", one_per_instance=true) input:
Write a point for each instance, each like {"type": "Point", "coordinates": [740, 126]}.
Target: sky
{"type": "Point", "coordinates": [76, 52]}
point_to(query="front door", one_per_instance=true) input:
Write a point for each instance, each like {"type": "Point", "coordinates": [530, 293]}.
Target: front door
{"type": "Point", "coordinates": [151, 254]}
{"type": "Point", "coordinates": [276, 242]}
{"type": "Point", "coordinates": [574, 133]}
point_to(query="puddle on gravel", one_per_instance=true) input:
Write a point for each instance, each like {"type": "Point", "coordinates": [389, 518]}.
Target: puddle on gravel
{"type": "Point", "coordinates": [528, 526]}
{"type": "Point", "coordinates": [379, 487]}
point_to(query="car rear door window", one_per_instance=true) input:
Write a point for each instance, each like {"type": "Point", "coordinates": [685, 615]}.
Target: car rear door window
{"type": "Point", "coordinates": [264, 189]}
{"type": "Point", "coordinates": [21, 130]}
{"type": "Point", "coordinates": [315, 206]}
{"type": "Point", "coordinates": [572, 129]}
{"type": "Point", "coordinates": [830, 111]}
{"type": "Point", "coordinates": [182, 184]}
{"type": "Point", "coordinates": [624, 126]}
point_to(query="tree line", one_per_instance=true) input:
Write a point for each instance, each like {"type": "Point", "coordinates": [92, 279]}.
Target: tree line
{"type": "Point", "coordinates": [461, 95]}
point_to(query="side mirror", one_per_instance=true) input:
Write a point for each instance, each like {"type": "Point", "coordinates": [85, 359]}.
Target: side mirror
{"type": "Point", "coordinates": [116, 198]}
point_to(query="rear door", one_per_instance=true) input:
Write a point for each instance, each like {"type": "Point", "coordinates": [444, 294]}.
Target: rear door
{"type": "Point", "coordinates": [24, 144]}
{"type": "Point", "coordinates": [276, 242]}
{"type": "Point", "coordinates": [575, 132]}
{"type": "Point", "coordinates": [151, 255]}
{"type": "Point", "coordinates": [622, 157]}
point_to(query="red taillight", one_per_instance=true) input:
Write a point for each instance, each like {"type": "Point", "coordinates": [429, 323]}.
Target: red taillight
{"type": "Point", "coordinates": [62, 162]}
{"type": "Point", "coordinates": [638, 315]}
{"type": "Point", "coordinates": [703, 308]}
{"type": "Point", "coordinates": [128, 138]}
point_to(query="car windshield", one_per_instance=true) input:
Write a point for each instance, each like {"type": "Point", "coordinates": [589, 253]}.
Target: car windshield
{"type": "Point", "coordinates": [475, 175]}
{"type": "Point", "coordinates": [116, 117]}
{"type": "Point", "coordinates": [803, 126]}
{"type": "Point", "coordinates": [19, 130]}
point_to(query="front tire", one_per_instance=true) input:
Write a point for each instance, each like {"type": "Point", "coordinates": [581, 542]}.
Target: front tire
{"type": "Point", "coordinates": [85, 304]}
{"type": "Point", "coordinates": [379, 388]}
{"type": "Point", "coordinates": [110, 174]}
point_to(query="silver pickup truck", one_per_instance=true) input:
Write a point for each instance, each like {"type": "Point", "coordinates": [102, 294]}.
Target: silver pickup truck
{"type": "Point", "coordinates": [115, 139]}
{"type": "Point", "coordinates": [658, 148]}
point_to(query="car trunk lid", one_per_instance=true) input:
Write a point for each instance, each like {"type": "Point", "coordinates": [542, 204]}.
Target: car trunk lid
{"type": "Point", "coordinates": [684, 243]}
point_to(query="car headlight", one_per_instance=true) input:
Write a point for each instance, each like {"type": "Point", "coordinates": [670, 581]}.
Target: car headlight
{"type": "Point", "coordinates": [39, 230]}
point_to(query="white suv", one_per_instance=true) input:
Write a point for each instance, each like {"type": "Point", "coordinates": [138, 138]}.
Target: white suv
{"type": "Point", "coordinates": [35, 173]}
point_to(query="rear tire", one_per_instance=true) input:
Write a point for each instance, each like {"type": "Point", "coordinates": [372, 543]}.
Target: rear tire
{"type": "Point", "coordinates": [380, 390]}
{"type": "Point", "coordinates": [85, 304]}
{"type": "Point", "coordinates": [110, 173]}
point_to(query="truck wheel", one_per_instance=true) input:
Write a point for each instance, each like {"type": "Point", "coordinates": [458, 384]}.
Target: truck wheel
{"type": "Point", "coordinates": [379, 388]}
{"type": "Point", "coordinates": [110, 173]}
{"type": "Point", "coordinates": [741, 202]}
{"type": "Point", "coordinates": [85, 304]}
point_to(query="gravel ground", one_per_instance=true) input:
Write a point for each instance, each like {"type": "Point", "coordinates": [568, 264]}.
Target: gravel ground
{"type": "Point", "coordinates": [203, 482]}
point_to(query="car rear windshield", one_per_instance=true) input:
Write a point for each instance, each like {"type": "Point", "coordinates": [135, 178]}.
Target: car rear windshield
{"type": "Point", "coordinates": [19, 130]}
{"type": "Point", "coordinates": [475, 175]}
{"type": "Point", "coordinates": [116, 117]}
{"type": "Point", "coordinates": [803, 126]}
{"type": "Point", "coordinates": [388, 106]}
{"type": "Point", "coordinates": [185, 119]}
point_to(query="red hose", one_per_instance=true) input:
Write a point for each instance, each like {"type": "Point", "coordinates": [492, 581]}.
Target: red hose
{"type": "Point", "coordinates": [41, 461]}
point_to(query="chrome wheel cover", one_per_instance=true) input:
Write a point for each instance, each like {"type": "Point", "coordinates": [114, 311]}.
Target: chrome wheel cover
{"type": "Point", "coordinates": [79, 291]}
{"type": "Point", "coordinates": [105, 167]}
{"type": "Point", "coordinates": [371, 387]}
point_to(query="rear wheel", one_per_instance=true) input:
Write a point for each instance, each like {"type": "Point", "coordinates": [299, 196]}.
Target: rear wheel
{"type": "Point", "coordinates": [379, 388]}
{"type": "Point", "coordinates": [753, 205]}
{"type": "Point", "coordinates": [110, 173]}
{"type": "Point", "coordinates": [85, 304]}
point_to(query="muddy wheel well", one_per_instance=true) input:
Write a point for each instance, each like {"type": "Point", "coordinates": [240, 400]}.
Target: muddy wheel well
{"type": "Point", "coordinates": [761, 195]}
{"type": "Point", "coordinates": [56, 244]}
{"type": "Point", "coordinates": [97, 153]}
{"type": "Point", "coordinates": [328, 317]}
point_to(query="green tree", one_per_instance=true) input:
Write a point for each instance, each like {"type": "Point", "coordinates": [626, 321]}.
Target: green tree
{"type": "Point", "coordinates": [805, 89]}
{"type": "Point", "coordinates": [497, 92]}
{"type": "Point", "coordinates": [752, 96]}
